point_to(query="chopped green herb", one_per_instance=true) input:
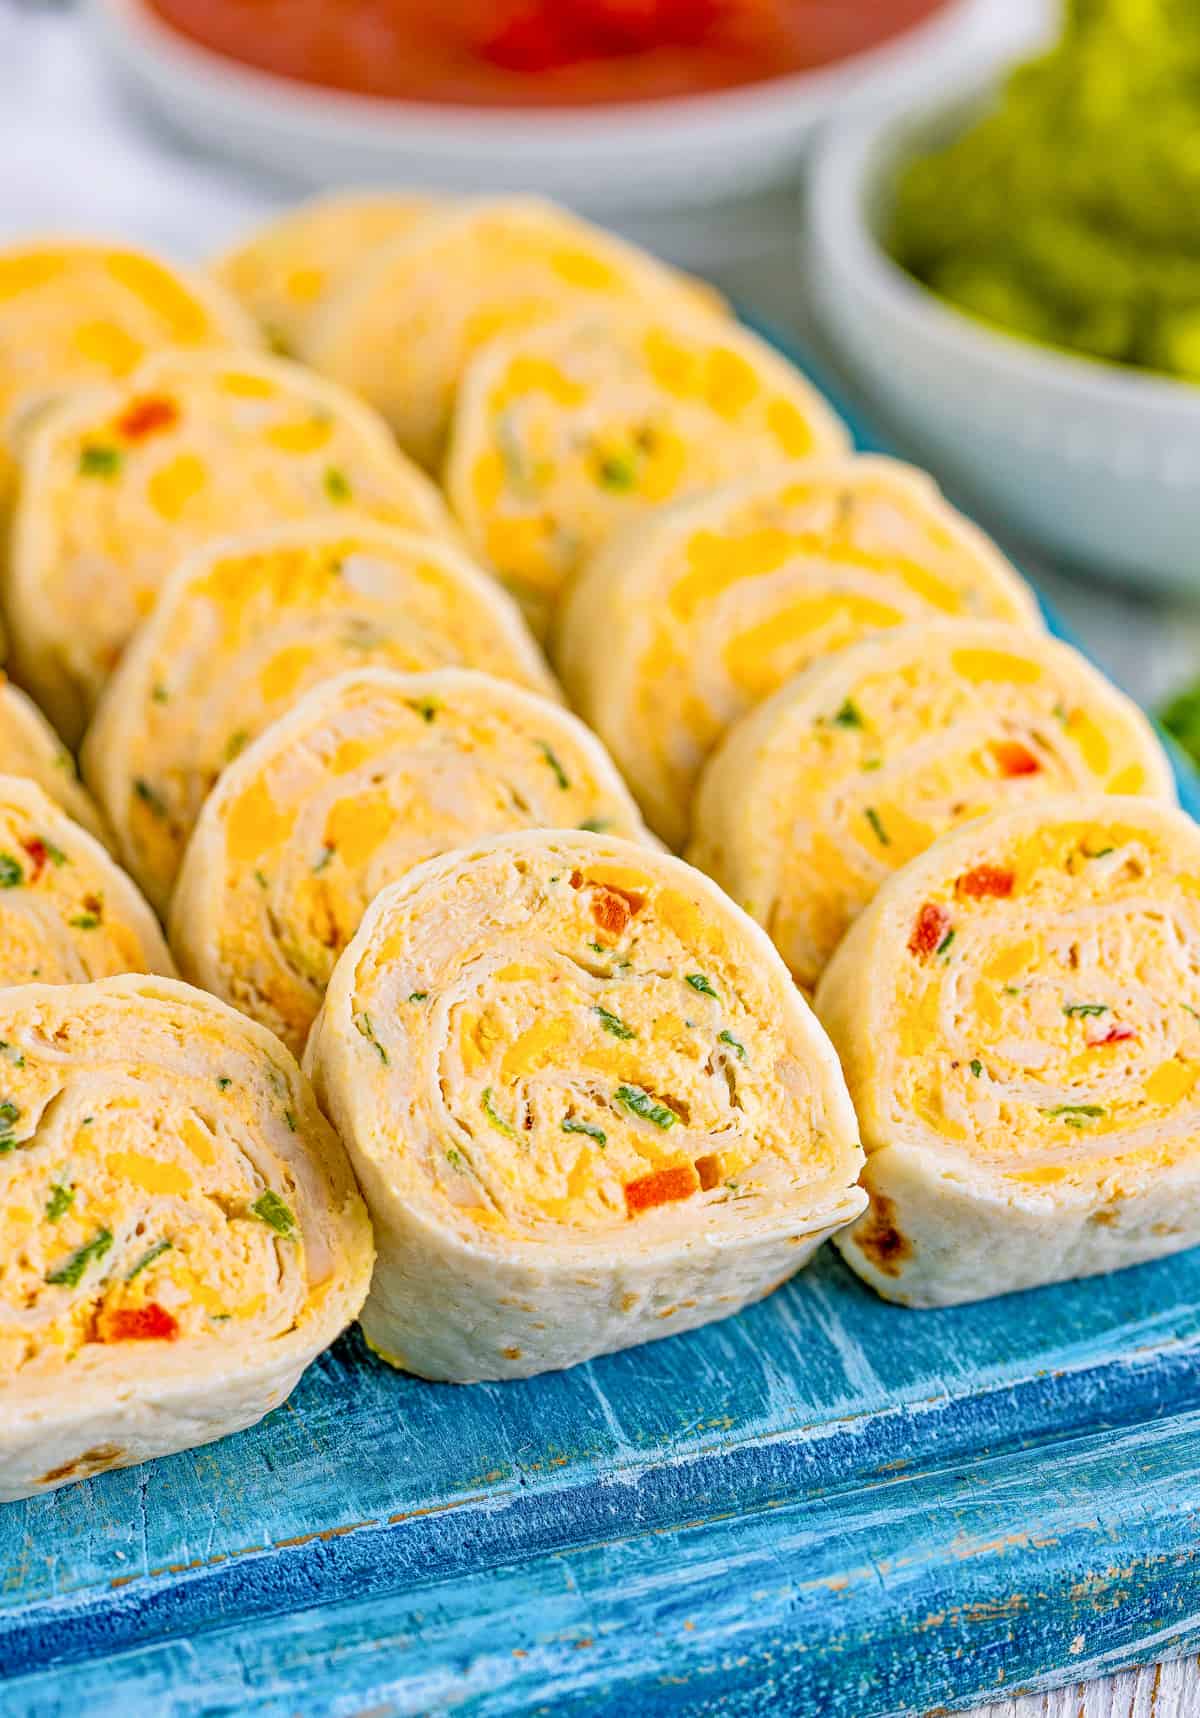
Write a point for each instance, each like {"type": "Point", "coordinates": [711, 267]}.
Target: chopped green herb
{"type": "Point", "coordinates": [223, 1082]}
{"type": "Point", "coordinates": [418, 996]}
{"type": "Point", "coordinates": [366, 1027]}
{"type": "Point", "coordinates": [13, 1055]}
{"type": "Point", "coordinates": [261, 880]}
{"type": "Point", "coordinates": [424, 707]}
{"type": "Point", "coordinates": [642, 1104]}
{"type": "Point", "coordinates": [497, 1121]}
{"type": "Point", "coordinates": [732, 1186]}
{"type": "Point", "coordinates": [337, 485]}
{"type": "Point", "coordinates": [1193, 1012]}
{"type": "Point", "coordinates": [160, 694]}
{"type": "Point", "coordinates": [598, 948]}
{"type": "Point", "coordinates": [270, 1209]}
{"type": "Point", "coordinates": [618, 471]}
{"type": "Point", "coordinates": [236, 744]}
{"type": "Point", "coordinates": [1085, 1008]}
{"type": "Point", "coordinates": [876, 822]}
{"type": "Point", "coordinates": [11, 874]}
{"type": "Point", "coordinates": [455, 1160]}
{"type": "Point", "coordinates": [55, 854]}
{"type": "Point", "coordinates": [1100, 853]}
{"type": "Point", "coordinates": [849, 716]}
{"type": "Point", "coordinates": [10, 1114]}
{"type": "Point", "coordinates": [613, 1023]}
{"type": "Point", "coordinates": [698, 982]}
{"type": "Point", "coordinates": [290, 1118]}
{"type": "Point", "coordinates": [85, 922]}
{"type": "Point", "coordinates": [60, 1201]}
{"type": "Point", "coordinates": [572, 1125]}
{"type": "Point", "coordinates": [148, 1258]}
{"type": "Point", "coordinates": [560, 774]}
{"type": "Point", "coordinates": [944, 946]}
{"type": "Point", "coordinates": [596, 825]}
{"type": "Point", "coordinates": [872, 763]}
{"type": "Point", "coordinates": [735, 1044]}
{"type": "Point", "coordinates": [97, 461]}
{"type": "Point", "coordinates": [324, 859]}
{"type": "Point", "coordinates": [976, 1067]}
{"type": "Point", "coordinates": [71, 1274]}
{"type": "Point", "coordinates": [1075, 1115]}
{"type": "Point", "coordinates": [150, 797]}
{"type": "Point", "coordinates": [1012, 990]}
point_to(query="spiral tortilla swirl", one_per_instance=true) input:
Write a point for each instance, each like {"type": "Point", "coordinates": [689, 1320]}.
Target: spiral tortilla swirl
{"type": "Point", "coordinates": [119, 483]}
{"type": "Point", "coordinates": [74, 313]}
{"type": "Point", "coordinates": [690, 619]}
{"type": "Point", "coordinates": [249, 624]}
{"type": "Point", "coordinates": [67, 913]}
{"type": "Point", "coordinates": [371, 774]}
{"type": "Point", "coordinates": [407, 323]}
{"type": "Point", "coordinates": [566, 431]}
{"type": "Point", "coordinates": [1018, 1015]}
{"type": "Point", "coordinates": [288, 269]}
{"type": "Point", "coordinates": [586, 1104]}
{"type": "Point", "coordinates": [859, 764]}
{"type": "Point", "coordinates": [30, 747]}
{"type": "Point", "coordinates": [181, 1230]}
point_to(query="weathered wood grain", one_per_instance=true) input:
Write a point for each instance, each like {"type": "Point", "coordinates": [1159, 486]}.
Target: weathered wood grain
{"type": "Point", "coordinates": [1169, 1690]}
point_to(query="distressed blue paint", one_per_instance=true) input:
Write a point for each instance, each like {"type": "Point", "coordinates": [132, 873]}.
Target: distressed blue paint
{"type": "Point", "coordinates": [859, 1511]}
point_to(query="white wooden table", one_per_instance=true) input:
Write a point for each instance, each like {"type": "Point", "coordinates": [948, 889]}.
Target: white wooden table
{"type": "Point", "coordinates": [77, 159]}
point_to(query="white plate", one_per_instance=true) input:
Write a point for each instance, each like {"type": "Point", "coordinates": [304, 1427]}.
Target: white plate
{"type": "Point", "coordinates": [639, 155]}
{"type": "Point", "coordinates": [1099, 464]}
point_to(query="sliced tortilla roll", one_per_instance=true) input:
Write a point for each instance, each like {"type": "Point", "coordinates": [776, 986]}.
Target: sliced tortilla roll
{"type": "Point", "coordinates": [119, 483]}
{"type": "Point", "coordinates": [286, 269]}
{"type": "Point", "coordinates": [67, 912]}
{"type": "Point", "coordinates": [244, 628]}
{"type": "Point", "coordinates": [180, 1233]}
{"type": "Point", "coordinates": [1018, 1015]}
{"type": "Point", "coordinates": [859, 764]}
{"type": "Point", "coordinates": [371, 774]}
{"type": "Point", "coordinates": [404, 328]}
{"type": "Point", "coordinates": [73, 312]}
{"type": "Point", "coordinates": [30, 747]}
{"type": "Point", "coordinates": [566, 431]}
{"type": "Point", "coordinates": [696, 614]}
{"type": "Point", "coordinates": [586, 1104]}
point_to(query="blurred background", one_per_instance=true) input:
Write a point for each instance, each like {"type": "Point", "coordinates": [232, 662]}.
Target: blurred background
{"type": "Point", "coordinates": [1000, 266]}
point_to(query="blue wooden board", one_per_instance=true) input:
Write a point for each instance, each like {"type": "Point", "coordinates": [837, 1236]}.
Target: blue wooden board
{"type": "Point", "coordinates": [824, 1506]}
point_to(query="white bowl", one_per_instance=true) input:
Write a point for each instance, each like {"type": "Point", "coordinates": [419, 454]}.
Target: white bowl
{"type": "Point", "coordinates": [618, 158]}
{"type": "Point", "coordinates": [1097, 463]}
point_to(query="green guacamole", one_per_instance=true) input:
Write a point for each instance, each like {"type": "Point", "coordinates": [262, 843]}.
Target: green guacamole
{"type": "Point", "coordinates": [1069, 211]}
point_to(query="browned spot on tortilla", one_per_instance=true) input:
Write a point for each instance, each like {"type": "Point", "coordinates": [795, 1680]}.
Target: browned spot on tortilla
{"type": "Point", "coordinates": [709, 1169]}
{"type": "Point", "coordinates": [512, 1353]}
{"type": "Point", "coordinates": [879, 1238]}
{"type": "Point", "coordinates": [95, 1460]}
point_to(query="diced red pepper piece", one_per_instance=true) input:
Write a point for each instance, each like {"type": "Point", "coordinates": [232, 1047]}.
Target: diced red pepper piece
{"type": "Point", "coordinates": [984, 880]}
{"type": "Point", "coordinates": [38, 856]}
{"type": "Point", "coordinates": [146, 417]}
{"type": "Point", "coordinates": [149, 1323]}
{"type": "Point", "coordinates": [1114, 1034]}
{"type": "Point", "coordinates": [612, 908]}
{"type": "Point", "coordinates": [660, 1187]}
{"type": "Point", "coordinates": [932, 924]}
{"type": "Point", "coordinates": [1013, 758]}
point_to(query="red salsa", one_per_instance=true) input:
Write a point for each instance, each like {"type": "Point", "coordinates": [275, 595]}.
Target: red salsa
{"type": "Point", "coordinates": [545, 53]}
